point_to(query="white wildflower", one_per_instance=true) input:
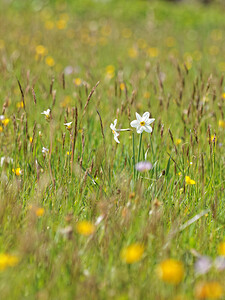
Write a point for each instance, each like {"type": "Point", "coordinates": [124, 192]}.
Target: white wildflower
{"type": "Point", "coordinates": [115, 131]}
{"type": "Point", "coordinates": [47, 113]}
{"type": "Point", "coordinates": [142, 123]}
{"type": "Point", "coordinates": [68, 125]}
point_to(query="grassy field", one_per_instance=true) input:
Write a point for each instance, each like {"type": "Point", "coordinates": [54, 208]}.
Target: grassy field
{"type": "Point", "coordinates": [79, 219]}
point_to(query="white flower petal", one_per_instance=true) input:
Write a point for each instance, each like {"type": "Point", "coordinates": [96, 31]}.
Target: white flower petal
{"type": "Point", "coordinates": [145, 116]}
{"type": "Point", "coordinates": [116, 138]}
{"type": "Point", "coordinates": [140, 129]}
{"type": "Point", "coordinates": [147, 128]}
{"type": "Point", "coordinates": [138, 117]}
{"type": "Point", "coordinates": [134, 123]}
{"type": "Point", "coordinates": [115, 122]}
{"type": "Point", "coordinates": [150, 121]}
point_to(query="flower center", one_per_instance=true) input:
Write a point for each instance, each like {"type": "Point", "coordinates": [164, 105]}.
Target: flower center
{"type": "Point", "coordinates": [142, 123]}
{"type": "Point", "coordinates": [113, 132]}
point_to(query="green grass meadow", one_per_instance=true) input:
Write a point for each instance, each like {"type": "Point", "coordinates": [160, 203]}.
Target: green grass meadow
{"type": "Point", "coordinates": [77, 219]}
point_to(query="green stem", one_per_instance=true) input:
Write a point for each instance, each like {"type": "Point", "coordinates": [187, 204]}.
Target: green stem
{"type": "Point", "coordinates": [133, 155]}
{"type": "Point", "coordinates": [139, 150]}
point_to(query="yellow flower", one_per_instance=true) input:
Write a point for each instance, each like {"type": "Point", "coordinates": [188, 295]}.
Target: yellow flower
{"type": "Point", "coordinates": [132, 253]}
{"type": "Point", "coordinates": [122, 86]}
{"type": "Point", "coordinates": [5, 122]}
{"type": "Point", "coordinates": [49, 61]}
{"type": "Point", "coordinates": [208, 290]}
{"type": "Point", "coordinates": [1, 128]}
{"type": "Point", "coordinates": [39, 211]}
{"type": "Point", "coordinates": [222, 124]}
{"type": "Point", "coordinates": [171, 271]}
{"type": "Point", "coordinates": [30, 140]}
{"type": "Point", "coordinates": [132, 52]}
{"type": "Point", "coordinates": [213, 138]}
{"type": "Point", "coordinates": [19, 104]}
{"type": "Point", "coordinates": [67, 101]}
{"type": "Point", "coordinates": [188, 180]}
{"type": "Point", "coordinates": [7, 260]}
{"type": "Point", "coordinates": [223, 96]}
{"type": "Point", "coordinates": [61, 24]}
{"type": "Point", "coordinates": [41, 50]}
{"type": "Point", "coordinates": [178, 141]}
{"type": "Point", "coordinates": [110, 71]}
{"type": "Point", "coordinates": [85, 228]}
{"type": "Point", "coordinates": [147, 95]}
{"type": "Point", "coordinates": [221, 249]}
{"type": "Point", "coordinates": [69, 153]}
{"type": "Point", "coordinates": [153, 52]}
{"type": "Point", "coordinates": [77, 81]}
{"type": "Point", "coordinates": [17, 171]}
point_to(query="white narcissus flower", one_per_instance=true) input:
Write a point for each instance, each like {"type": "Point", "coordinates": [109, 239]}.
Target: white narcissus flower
{"type": "Point", "coordinates": [114, 131]}
{"type": "Point", "coordinates": [68, 125]}
{"type": "Point", "coordinates": [142, 123]}
{"type": "Point", "coordinates": [47, 113]}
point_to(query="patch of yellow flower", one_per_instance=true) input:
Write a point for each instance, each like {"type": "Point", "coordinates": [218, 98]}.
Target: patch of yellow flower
{"type": "Point", "coordinates": [49, 61]}
{"type": "Point", "coordinates": [41, 50]}
{"type": "Point", "coordinates": [153, 52]}
{"type": "Point", "coordinates": [77, 81]}
{"type": "Point", "coordinates": [39, 211]}
{"type": "Point", "coordinates": [122, 86]}
{"type": "Point", "coordinates": [190, 181]}
{"type": "Point", "coordinates": [85, 228]}
{"type": "Point", "coordinates": [132, 253]}
{"type": "Point", "coordinates": [19, 104]}
{"type": "Point", "coordinates": [171, 271]}
{"type": "Point", "coordinates": [7, 260]}
{"type": "Point", "coordinates": [132, 52]}
{"type": "Point", "coordinates": [214, 138]}
{"type": "Point", "coordinates": [221, 249]}
{"type": "Point", "coordinates": [222, 124]}
{"type": "Point", "coordinates": [66, 102]}
{"type": "Point", "coordinates": [178, 141]}
{"type": "Point", "coordinates": [147, 95]}
{"type": "Point", "coordinates": [223, 96]}
{"type": "Point", "coordinates": [1, 128]}
{"type": "Point", "coordinates": [5, 122]}
{"type": "Point", "coordinates": [208, 290]}
{"type": "Point", "coordinates": [110, 71]}
{"type": "Point", "coordinates": [62, 22]}
{"type": "Point", "coordinates": [17, 171]}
